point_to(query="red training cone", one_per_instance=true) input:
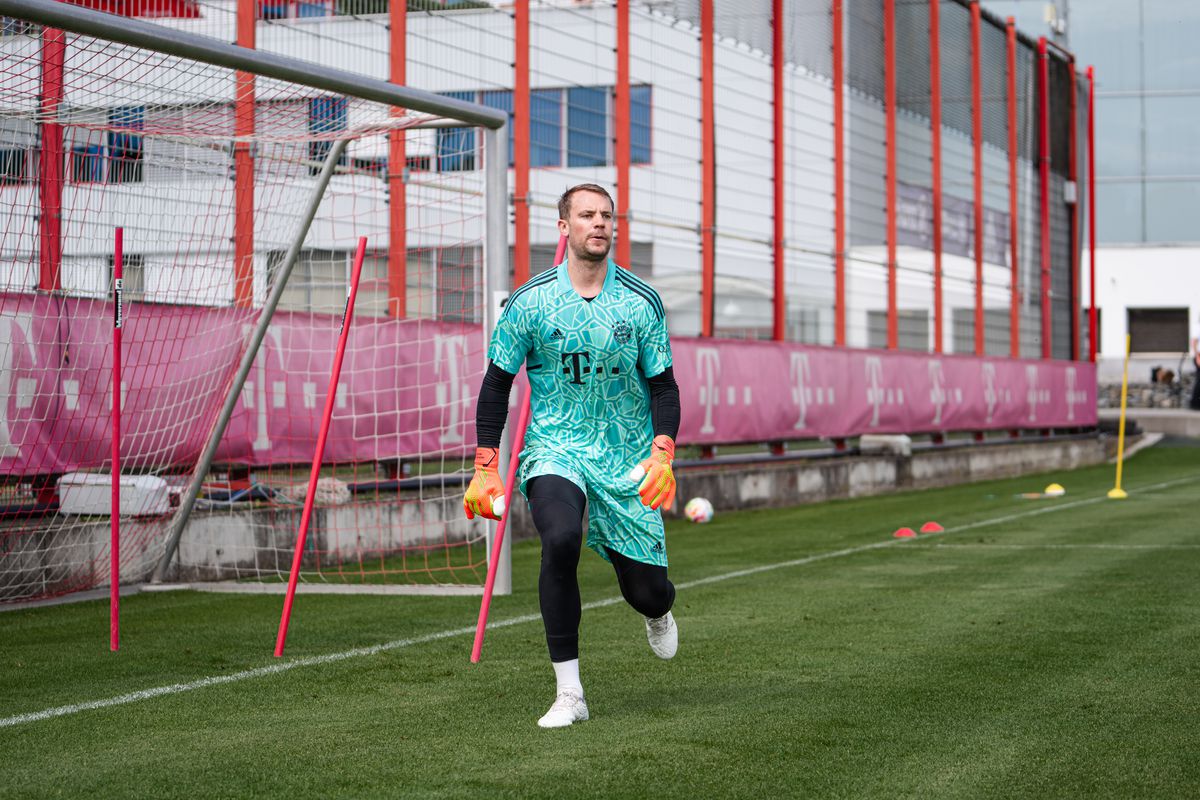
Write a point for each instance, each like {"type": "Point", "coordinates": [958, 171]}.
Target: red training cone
{"type": "Point", "coordinates": [904, 533]}
{"type": "Point", "coordinates": [932, 527]}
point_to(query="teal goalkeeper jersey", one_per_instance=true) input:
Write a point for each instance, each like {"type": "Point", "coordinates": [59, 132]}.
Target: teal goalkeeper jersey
{"type": "Point", "coordinates": [587, 363]}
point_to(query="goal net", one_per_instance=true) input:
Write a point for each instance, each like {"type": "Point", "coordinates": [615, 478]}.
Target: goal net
{"type": "Point", "coordinates": [212, 175]}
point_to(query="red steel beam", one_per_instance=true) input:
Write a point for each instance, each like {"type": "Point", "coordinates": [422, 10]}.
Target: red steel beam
{"type": "Point", "coordinates": [622, 123]}
{"type": "Point", "coordinates": [50, 165]}
{"type": "Point", "coordinates": [977, 137]}
{"type": "Point", "coordinates": [1093, 334]}
{"type": "Point", "coordinates": [521, 143]}
{"type": "Point", "coordinates": [839, 182]}
{"type": "Point", "coordinates": [1014, 225]}
{"type": "Point", "coordinates": [777, 58]}
{"type": "Point", "coordinates": [397, 167]}
{"type": "Point", "coordinates": [1073, 176]}
{"type": "Point", "coordinates": [243, 164]}
{"type": "Point", "coordinates": [1044, 170]}
{"type": "Point", "coordinates": [889, 92]}
{"type": "Point", "coordinates": [935, 138]}
{"type": "Point", "coordinates": [708, 169]}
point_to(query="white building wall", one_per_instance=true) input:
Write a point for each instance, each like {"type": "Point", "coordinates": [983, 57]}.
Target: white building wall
{"type": "Point", "coordinates": [1140, 277]}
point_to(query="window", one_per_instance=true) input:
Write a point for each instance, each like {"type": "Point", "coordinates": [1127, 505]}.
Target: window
{"type": "Point", "coordinates": [545, 128]}
{"type": "Point", "coordinates": [87, 163]}
{"type": "Point", "coordinates": [639, 124]}
{"type": "Point", "coordinates": [291, 9]}
{"type": "Point", "coordinates": [1158, 330]}
{"type": "Point", "coordinates": [587, 127]}
{"type": "Point", "coordinates": [14, 166]}
{"type": "Point", "coordinates": [458, 283]}
{"type": "Point", "coordinates": [325, 115]}
{"type": "Point", "coordinates": [133, 276]}
{"type": "Point", "coordinates": [11, 26]}
{"type": "Point", "coordinates": [503, 101]}
{"type": "Point", "coordinates": [317, 282]}
{"type": "Point", "coordinates": [124, 146]}
{"type": "Point", "coordinates": [456, 146]}
{"type": "Point", "coordinates": [912, 329]}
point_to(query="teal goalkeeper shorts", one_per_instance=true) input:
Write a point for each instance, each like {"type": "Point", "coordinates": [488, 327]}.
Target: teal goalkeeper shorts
{"type": "Point", "coordinates": [616, 517]}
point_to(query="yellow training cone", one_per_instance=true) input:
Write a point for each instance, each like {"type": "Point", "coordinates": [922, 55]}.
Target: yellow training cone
{"type": "Point", "coordinates": [1054, 490]}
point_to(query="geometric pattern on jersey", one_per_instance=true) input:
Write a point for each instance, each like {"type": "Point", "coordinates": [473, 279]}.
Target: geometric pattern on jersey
{"type": "Point", "coordinates": [616, 517]}
{"type": "Point", "coordinates": [587, 362]}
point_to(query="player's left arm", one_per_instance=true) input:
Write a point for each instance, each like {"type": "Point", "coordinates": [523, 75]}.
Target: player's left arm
{"type": "Point", "coordinates": [657, 486]}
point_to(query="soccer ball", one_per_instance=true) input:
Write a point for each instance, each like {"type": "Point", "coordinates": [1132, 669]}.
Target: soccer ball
{"type": "Point", "coordinates": [698, 510]}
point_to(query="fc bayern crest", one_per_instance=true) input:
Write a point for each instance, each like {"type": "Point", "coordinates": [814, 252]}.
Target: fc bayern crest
{"type": "Point", "coordinates": [622, 332]}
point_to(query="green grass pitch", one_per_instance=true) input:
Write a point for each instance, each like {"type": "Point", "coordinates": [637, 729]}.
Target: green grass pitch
{"type": "Point", "coordinates": [1038, 648]}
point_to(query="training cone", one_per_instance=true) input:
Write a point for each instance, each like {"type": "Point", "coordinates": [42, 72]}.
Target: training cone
{"type": "Point", "coordinates": [904, 533]}
{"type": "Point", "coordinates": [932, 527]}
{"type": "Point", "coordinates": [1054, 490]}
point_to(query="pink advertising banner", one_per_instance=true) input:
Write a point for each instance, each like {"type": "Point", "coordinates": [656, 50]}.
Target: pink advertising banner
{"type": "Point", "coordinates": [408, 388]}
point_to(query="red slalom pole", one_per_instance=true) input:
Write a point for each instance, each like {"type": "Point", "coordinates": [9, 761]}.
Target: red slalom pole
{"type": "Point", "coordinates": [343, 336]}
{"type": "Point", "coordinates": [518, 442]}
{"type": "Point", "coordinates": [114, 592]}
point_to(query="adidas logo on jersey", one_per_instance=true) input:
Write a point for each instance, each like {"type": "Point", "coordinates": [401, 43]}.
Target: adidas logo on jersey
{"type": "Point", "coordinates": [556, 335]}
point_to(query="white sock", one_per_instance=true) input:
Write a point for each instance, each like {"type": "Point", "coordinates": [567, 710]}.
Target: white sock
{"type": "Point", "coordinates": [567, 675]}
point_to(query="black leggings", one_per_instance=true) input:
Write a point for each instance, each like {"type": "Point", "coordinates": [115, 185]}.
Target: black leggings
{"type": "Point", "coordinates": [557, 506]}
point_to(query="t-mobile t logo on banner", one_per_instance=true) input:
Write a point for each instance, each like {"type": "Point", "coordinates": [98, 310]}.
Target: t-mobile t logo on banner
{"type": "Point", "coordinates": [804, 394]}
{"type": "Point", "coordinates": [1034, 395]}
{"type": "Point", "coordinates": [450, 391]}
{"type": "Point", "coordinates": [937, 390]}
{"type": "Point", "coordinates": [877, 394]}
{"type": "Point", "coordinates": [989, 390]}
{"type": "Point", "coordinates": [708, 369]}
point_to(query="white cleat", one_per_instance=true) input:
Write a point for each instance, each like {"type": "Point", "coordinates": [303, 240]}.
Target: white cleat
{"type": "Point", "coordinates": [663, 635]}
{"type": "Point", "coordinates": [569, 707]}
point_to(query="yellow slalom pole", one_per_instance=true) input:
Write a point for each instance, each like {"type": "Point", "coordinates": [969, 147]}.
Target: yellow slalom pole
{"type": "Point", "coordinates": [1117, 493]}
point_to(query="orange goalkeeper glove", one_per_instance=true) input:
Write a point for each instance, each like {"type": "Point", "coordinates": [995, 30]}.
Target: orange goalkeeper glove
{"type": "Point", "coordinates": [485, 494]}
{"type": "Point", "coordinates": [657, 487]}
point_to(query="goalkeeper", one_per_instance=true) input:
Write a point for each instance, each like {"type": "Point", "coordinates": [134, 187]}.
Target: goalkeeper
{"type": "Point", "coordinates": [604, 416]}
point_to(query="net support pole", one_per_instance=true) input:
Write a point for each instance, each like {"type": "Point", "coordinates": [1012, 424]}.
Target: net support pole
{"type": "Point", "coordinates": [114, 593]}
{"type": "Point", "coordinates": [247, 362]}
{"type": "Point", "coordinates": [839, 181]}
{"type": "Point", "coordinates": [708, 171]}
{"type": "Point", "coordinates": [397, 173]}
{"type": "Point", "coordinates": [1014, 220]}
{"type": "Point", "coordinates": [50, 165]}
{"type": "Point", "coordinates": [935, 145]}
{"type": "Point", "coordinates": [977, 141]}
{"type": "Point", "coordinates": [1093, 334]}
{"type": "Point", "coordinates": [622, 138]}
{"type": "Point", "coordinates": [779, 327]}
{"type": "Point", "coordinates": [522, 103]}
{"type": "Point", "coordinates": [889, 100]}
{"type": "Point", "coordinates": [495, 253]}
{"type": "Point", "coordinates": [1073, 177]}
{"type": "Point", "coordinates": [1043, 113]}
{"type": "Point", "coordinates": [314, 474]}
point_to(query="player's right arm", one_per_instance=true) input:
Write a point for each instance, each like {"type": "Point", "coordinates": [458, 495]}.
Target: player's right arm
{"type": "Point", "coordinates": [510, 342]}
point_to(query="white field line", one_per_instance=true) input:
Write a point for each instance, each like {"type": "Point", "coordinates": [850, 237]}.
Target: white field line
{"type": "Point", "coordinates": [331, 658]}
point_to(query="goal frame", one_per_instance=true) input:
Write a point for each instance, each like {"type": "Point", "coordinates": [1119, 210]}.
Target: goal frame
{"type": "Point", "coordinates": [493, 122]}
